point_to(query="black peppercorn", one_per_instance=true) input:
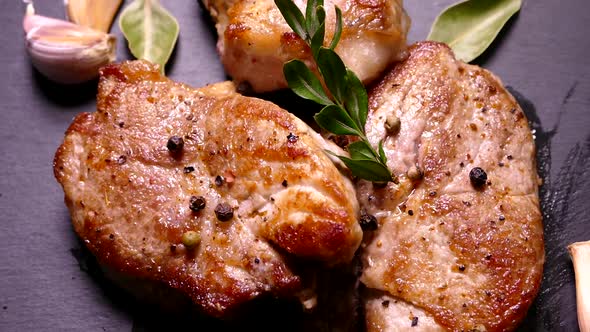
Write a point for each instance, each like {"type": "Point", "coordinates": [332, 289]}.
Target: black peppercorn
{"type": "Point", "coordinates": [478, 177]}
{"type": "Point", "coordinates": [219, 180]}
{"type": "Point", "coordinates": [224, 212]}
{"type": "Point", "coordinates": [292, 138]}
{"type": "Point", "coordinates": [189, 169]}
{"type": "Point", "coordinates": [197, 203]}
{"type": "Point", "coordinates": [284, 183]}
{"type": "Point", "coordinates": [175, 144]}
{"type": "Point", "coordinates": [368, 222]}
{"type": "Point", "coordinates": [414, 321]}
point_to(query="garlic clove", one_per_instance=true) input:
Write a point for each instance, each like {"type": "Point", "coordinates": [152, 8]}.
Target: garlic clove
{"type": "Point", "coordinates": [95, 14]}
{"type": "Point", "coordinates": [66, 52]}
{"type": "Point", "coordinates": [580, 253]}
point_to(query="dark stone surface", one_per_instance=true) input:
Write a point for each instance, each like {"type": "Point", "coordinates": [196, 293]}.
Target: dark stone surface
{"type": "Point", "coordinates": [48, 282]}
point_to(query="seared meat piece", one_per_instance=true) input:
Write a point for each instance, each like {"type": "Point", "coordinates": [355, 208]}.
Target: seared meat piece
{"type": "Point", "coordinates": [456, 248]}
{"type": "Point", "coordinates": [159, 159]}
{"type": "Point", "coordinates": [255, 41]}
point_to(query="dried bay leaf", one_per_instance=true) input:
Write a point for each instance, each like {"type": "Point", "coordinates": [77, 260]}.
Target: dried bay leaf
{"type": "Point", "coordinates": [469, 27]}
{"type": "Point", "coordinates": [151, 31]}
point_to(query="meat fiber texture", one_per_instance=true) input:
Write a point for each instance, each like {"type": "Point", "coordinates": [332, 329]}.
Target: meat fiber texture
{"type": "Point", "coordinates": [255, 41]}
{"type": "Point", "coordinates": [129, 194]}
{"type": "Point", "coordinates": [449, 255]}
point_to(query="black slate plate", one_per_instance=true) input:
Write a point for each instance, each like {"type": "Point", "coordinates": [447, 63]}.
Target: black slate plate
{"type": "Point", "coordinates": [48, 282]}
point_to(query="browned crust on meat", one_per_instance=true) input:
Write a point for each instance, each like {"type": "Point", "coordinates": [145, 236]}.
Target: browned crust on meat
{"type": "Point", "coordinates": [129, 196]}
{"type": "Point", "coordinates": [471, 258]}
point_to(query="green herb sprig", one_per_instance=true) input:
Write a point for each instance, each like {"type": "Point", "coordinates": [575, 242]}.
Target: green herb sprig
{"type": "Point", "coordinates": [346, 107]}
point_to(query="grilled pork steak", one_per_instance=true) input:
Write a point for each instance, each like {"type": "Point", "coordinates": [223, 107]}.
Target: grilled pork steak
{"type": "Point", "coordinates": [460, 240]}
{"type": "Point", "coordinates": [255, 41]}
{"type": "Point", "coordinates": [159, 159]}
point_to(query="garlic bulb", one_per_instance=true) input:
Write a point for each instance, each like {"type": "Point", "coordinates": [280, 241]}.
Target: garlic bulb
{"type": "Point", "coordinates": [65, 52]}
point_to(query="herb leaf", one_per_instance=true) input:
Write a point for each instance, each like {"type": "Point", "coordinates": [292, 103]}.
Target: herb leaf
{"type": "Point", "coordinates": [304, 82]}
{"type": "Point", "coordinates": [382, 155]}
{"type": "Point", "coordinates": [368, 169]}
{"type": "Point", "coordinates": [333, 71]}
{"type": "Point", "coordinates": [293, 16]}
{"type": "Point", "coordinates": [151, 31]}
{"type": "Point", "coordinates": [315, 16]}
{"type": "Point", "coordinates": [356, 99]}
{"type": "Point", "coordinates": [338, 30]}
{"type": "Point", "coordinates": [360, 150]}
{"type": "Point", "coordinates": [335, 120]}
{"type": "Point", "coordinates": [318, 40]}
{"type": "Point", "coordinates": [469, 27]}
{"type": "Point", "coordinates": [311, 20]}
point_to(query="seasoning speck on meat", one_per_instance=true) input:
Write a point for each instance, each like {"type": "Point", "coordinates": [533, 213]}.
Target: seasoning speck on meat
{"type": "Point", "coordinates": [224, 212]}
{"type": "Point", "coordinates": [392, 124]}
{"type": "Point", "coordinates": [415, 173]}
{"type": "Point", "coordinates": [478, 177]}
{"type": "Point", "coordinates": [175, 144]}
{"type": "Point", "coordinates": [191, 239]}
{"type": "Point", "coordinates": [197, 203]}
{"type": "Point", "coordinates": [368, 222]}
{"type": "Point", "coordinates": [291, 138]}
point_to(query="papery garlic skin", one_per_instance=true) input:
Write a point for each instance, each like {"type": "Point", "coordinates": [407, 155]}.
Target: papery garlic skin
{"type": "Point", "coordinates": [65, 52]}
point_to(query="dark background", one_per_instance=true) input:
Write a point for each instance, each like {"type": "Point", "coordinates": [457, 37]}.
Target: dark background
{"type": "Point", "coordinates": [47, 282]}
